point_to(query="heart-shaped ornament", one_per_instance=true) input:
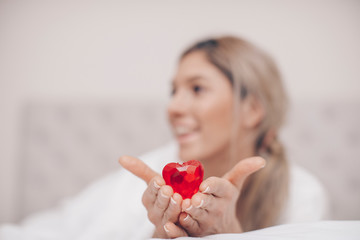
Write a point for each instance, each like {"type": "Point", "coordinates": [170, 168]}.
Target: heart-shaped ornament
{"type": "Point", "coordinates": [185, 178]}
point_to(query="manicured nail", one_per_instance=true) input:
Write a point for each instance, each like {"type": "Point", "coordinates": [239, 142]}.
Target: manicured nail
{"type": "Point", "coordinates": [201, 203]}
{"type": "Point", "coordinates": [124, 159]}
{"type": "Point", "coordinates": [207, 189]}
{"type": "Point", "coordinates": [163, 195]}
{"type": "Point", "coordinates": [187, 217]}
{"type": "Point", "coordinates": [261, 161]}
{"type": "Point", "coordinates": [189, 208]}
{"type": "Point", "coordinates": [156, 185]}
{"type": "Point", "coordinates": [173, 201]}
{"type": "Point", "coordinates": [264, 164]}
{"type": "Point", "coordinates": [165, 228]}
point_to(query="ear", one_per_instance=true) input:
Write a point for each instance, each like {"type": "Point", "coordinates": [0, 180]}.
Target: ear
{"type": "Point", "coordinates": [252, 112]}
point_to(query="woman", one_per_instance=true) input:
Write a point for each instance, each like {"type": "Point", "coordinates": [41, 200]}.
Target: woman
{"type": "Point", "coordinates": [227, 106]}
{"type": "Point", "coordinates": [228, 103]}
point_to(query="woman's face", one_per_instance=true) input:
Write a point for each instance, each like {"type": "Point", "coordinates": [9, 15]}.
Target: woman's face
{"type": "Point", "coordinates": [200, 111]}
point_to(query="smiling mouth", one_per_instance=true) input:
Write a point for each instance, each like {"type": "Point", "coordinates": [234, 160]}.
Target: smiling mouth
{"type": "Point", "coordinates": [185, 134]}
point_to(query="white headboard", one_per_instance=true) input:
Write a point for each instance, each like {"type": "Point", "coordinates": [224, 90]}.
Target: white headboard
{"type": "Point", "coordinates": [65, 146]}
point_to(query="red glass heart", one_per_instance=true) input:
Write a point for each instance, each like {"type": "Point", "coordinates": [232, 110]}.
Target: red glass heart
{"type": "Point", "coordinates": [184, 178]}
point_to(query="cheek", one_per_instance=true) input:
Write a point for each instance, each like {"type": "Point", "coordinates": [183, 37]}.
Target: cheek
{"type": "Point", "coordinates": [216, 125]}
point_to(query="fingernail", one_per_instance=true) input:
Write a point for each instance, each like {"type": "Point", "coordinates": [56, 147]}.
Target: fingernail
{"type": "Point", "coordinates": [173, 201]}
{"type": "Point", "coordinates": [189, 208]}
{"type": "Point", "coordinates": [261, 161]}
{"type": "Point", "coordinates": [124, 159]}
{"type": "Point", "coordinates": [201, 203]}
{"type": "Point", "coordinates": [165, 228]}
{"type": "Point", "coordinates": [187, 217]}
{"type": "Point", "coordinates": [264, 164]}
{"type": "Point", "coordinates": [207, 189]}
{"type": "Point", "coordinates": [163, 195]}
{"type": "Point", "coordinates": [156, 185]}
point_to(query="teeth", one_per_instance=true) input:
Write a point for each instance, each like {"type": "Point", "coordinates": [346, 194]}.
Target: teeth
{"type": "Point", "coordinates": [182, 130]}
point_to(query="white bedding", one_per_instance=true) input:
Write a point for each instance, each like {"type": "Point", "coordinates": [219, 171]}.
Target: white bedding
{"type": "Point", "coordinates": [327, 230]}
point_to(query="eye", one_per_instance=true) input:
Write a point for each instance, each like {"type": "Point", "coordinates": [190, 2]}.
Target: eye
{"type": "Point", "coordinates": [197, 88]}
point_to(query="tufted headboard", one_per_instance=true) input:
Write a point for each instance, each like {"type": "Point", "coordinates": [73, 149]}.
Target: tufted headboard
{"type": "Point", "coordinates": [325, 139]}
{"type": "Point", "coordinates": [66, 145]}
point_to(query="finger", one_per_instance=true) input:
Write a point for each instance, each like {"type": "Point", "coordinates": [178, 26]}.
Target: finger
{"type": "Point", "coordinates": [152, 191]}
{"type": "Point", "coordinates": [174, 231]}
{"type": "Point", "coordinates": [173, 211]}
{"type": "Point", "coordinates": [138, 168]}
{"type": "Point", "coordinates": [218, 187]}
{"type": "Point", "coordinates": [243, 169]}
{"type": "Point", "coordinates": [203, 201]}
{"type": "Point", "coordinates": [197, 207]}
{"type": "Point", "coordinates": [186, 203]}
{"type": "Point", "coordinates": [162, 200]}
{"type": "Point", "coordinates": [190, 225]}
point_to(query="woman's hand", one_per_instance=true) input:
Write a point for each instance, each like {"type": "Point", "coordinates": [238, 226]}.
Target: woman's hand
{"type": "Point", "coordinates": [162, 205]}
{"type": "Point", "coordinates": [213, 209]}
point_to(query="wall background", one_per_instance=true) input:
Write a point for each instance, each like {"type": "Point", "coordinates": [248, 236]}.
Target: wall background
{"type": "Point", "coordinates": [126, 51]}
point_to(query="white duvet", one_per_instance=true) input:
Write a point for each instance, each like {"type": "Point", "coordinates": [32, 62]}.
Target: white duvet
{"type": "Point", "coordinates": [322, 230]}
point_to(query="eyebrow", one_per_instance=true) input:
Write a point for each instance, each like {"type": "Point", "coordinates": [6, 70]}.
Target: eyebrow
{"type": "Point", "coordinates": [189, 80]}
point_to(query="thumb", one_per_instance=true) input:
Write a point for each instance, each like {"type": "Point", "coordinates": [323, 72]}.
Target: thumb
{"type": "Point", "coordinates": [138, 168]}
{"type": "Point", "coordinates": [238, 174]}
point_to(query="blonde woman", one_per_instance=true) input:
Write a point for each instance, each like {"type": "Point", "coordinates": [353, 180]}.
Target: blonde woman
{"type": "Point", "coordinates": [228, 103]}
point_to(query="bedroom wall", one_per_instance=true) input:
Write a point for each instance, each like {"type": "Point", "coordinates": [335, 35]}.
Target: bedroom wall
{"type": "Point", "coordinates": [127, 51]}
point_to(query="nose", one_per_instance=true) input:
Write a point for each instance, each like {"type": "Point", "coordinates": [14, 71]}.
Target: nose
{"type": "Point", "coordinates": [178, 105]}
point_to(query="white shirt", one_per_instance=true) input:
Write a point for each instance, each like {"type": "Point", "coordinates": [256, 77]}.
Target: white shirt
{"type": "Point", "coordinates": [111, 207]}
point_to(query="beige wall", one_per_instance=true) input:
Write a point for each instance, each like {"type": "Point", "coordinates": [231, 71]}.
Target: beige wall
{"type": "Point", "coordinates": [128, 50]}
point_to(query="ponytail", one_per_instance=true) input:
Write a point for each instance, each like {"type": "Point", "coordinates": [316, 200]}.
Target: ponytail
{"type": "Point", "coordinates": [265, 192]}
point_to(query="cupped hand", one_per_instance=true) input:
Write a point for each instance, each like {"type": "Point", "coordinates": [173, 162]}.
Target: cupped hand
{"type": "Point", "coordinates": [162, 204]}
{"type": "Point", "coordinates": [213, 209]}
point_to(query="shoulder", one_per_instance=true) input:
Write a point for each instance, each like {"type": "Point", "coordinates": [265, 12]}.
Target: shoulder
{"type": "Point", "coordinates": [307, 200]}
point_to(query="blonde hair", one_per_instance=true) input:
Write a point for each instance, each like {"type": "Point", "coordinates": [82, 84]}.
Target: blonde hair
{"type": "Point", "coordinates": [253, 72]}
